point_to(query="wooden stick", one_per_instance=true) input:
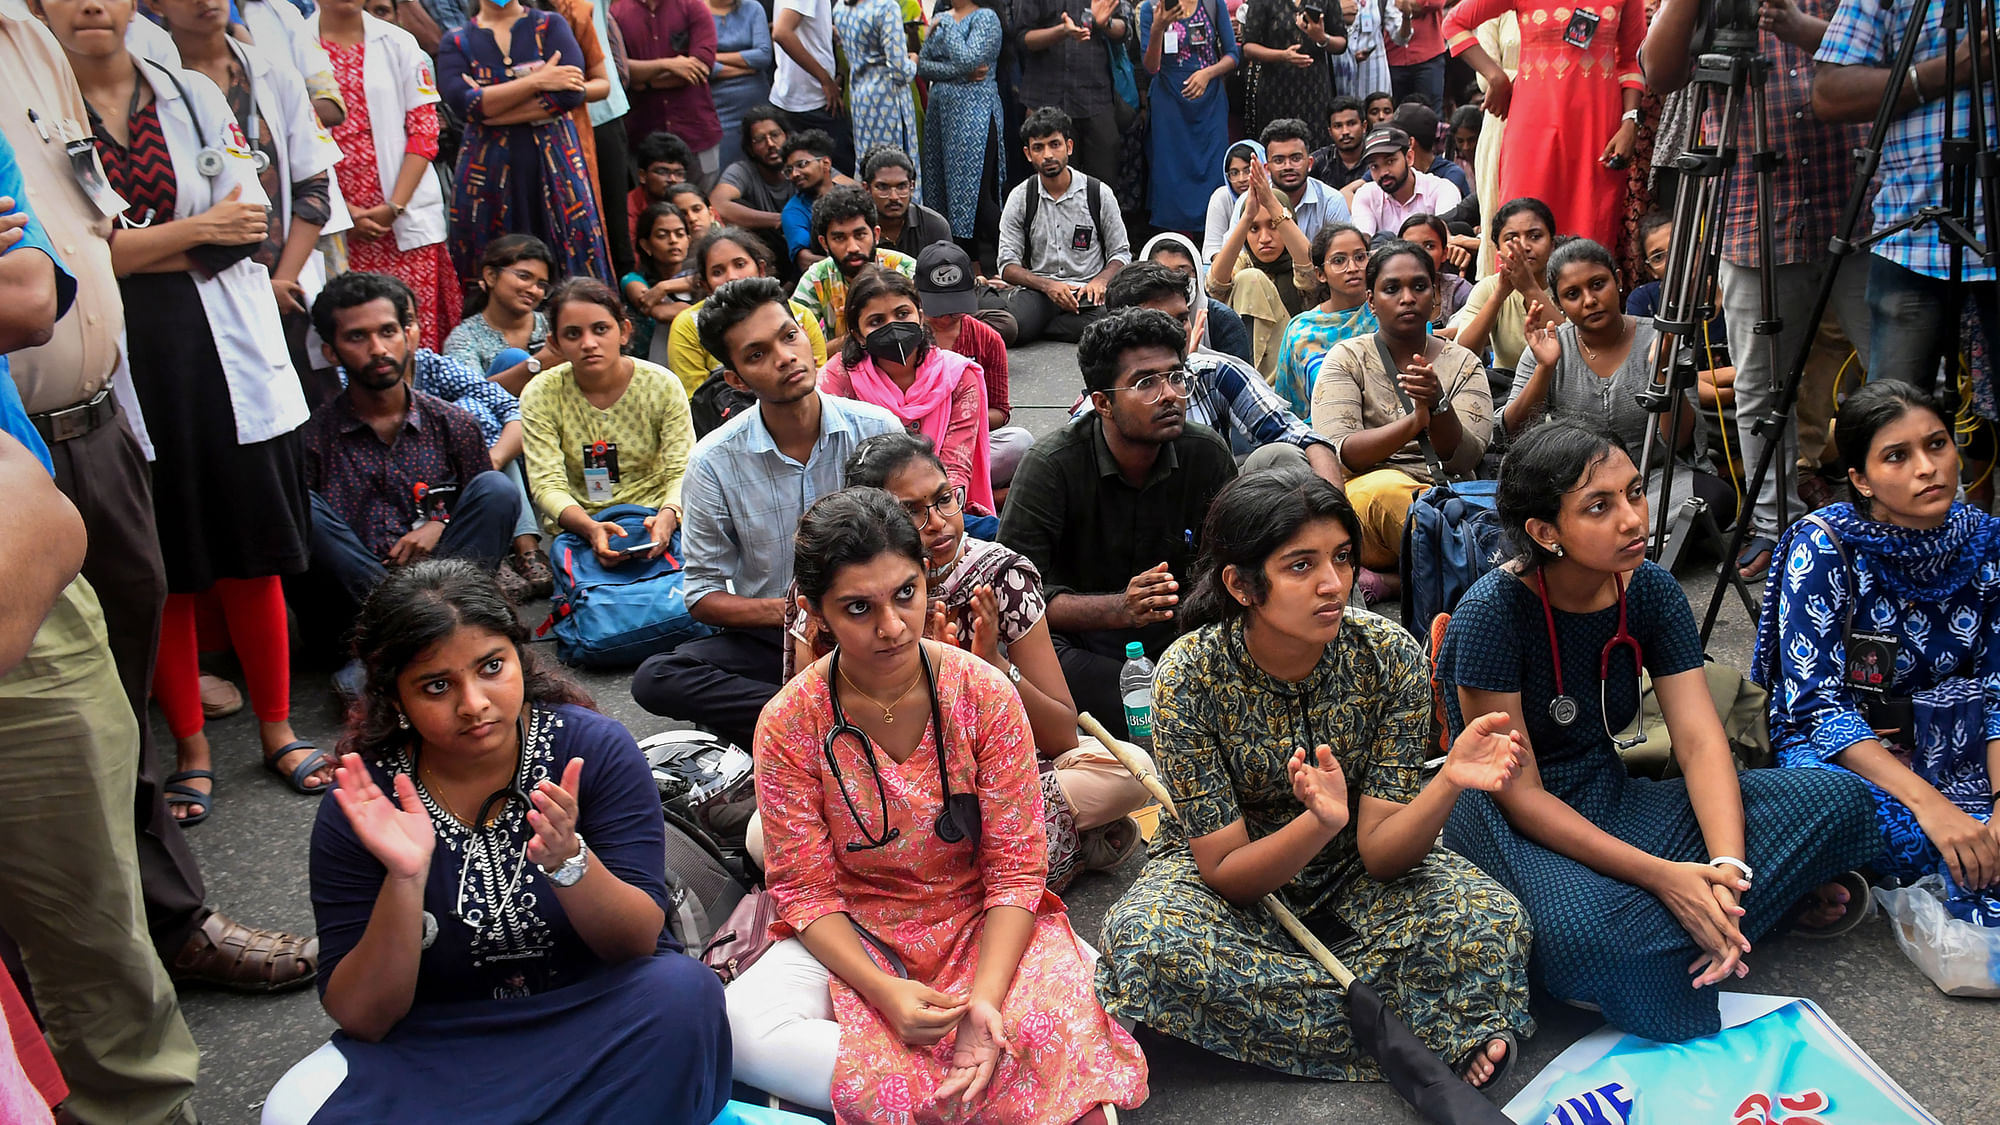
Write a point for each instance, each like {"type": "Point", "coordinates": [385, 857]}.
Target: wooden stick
{"type": "Point", "coordinates": [1131, 761]}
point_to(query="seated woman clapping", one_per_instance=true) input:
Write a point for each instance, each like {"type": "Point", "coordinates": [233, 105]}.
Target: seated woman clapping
{"type": "Point", "coordinates": [1880, 642]}
{"type": "Point", "coordinates": [925, 974]}
{"type": "Point", "coordinates": [1642, 892]}
{"type": "Point", "coordinates": [492, 935]}
{"type": "Point", "coordinates": [1345, 835]}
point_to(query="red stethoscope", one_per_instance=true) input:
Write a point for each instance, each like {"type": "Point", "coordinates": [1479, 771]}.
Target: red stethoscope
{"type": "Point", "coordinates": [1563, 709]}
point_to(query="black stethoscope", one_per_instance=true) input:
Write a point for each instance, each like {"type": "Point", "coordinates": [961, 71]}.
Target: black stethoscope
{"type": "Point", "coordinates": [505, 796]}
{"type": "Point", "coordinates": [960, 818]}
{"type": "Point", "coordinates": [1563, 709]}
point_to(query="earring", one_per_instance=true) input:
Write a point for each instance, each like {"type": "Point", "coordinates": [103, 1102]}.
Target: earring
{"type": "Point", "coordinates": [1556, 549]}
{"type": "Point", "coordinates": [402, 720]}
{"type": "Point", "coordinates": [1867, 495]}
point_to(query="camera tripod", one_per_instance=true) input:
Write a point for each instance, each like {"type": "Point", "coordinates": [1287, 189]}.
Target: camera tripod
{"type": "Point", "coordinates": [1969, 162]}
{"type": "Point", "coordinates": [1727, 77]}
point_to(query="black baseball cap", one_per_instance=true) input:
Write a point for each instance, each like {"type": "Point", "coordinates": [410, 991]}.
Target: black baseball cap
{"type": "Point", "coordinates": [945, 280]}
{"type": "Point", "coordinates": [1385, 140]}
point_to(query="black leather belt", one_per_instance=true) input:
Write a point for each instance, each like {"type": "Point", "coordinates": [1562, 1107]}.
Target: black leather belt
{"type": "Point", "coordinates": [73, 422]}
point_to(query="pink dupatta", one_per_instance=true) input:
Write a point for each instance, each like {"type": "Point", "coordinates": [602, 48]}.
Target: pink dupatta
{"type": "Point", "coordinates": [927, 406]}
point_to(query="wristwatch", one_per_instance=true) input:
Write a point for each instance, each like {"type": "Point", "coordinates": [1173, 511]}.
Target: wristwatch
{"type": "Point", "coordinates": [571, 871]}
{"type": "Point", "coordinates": [397, 209]}
{"type": "Point", "coordinates": [1631, 115]}
{"type": "Point", "coordinates": [534, 366]}
{"type": "Point", "coordinates": [1286, 216]}
{"type": "Point", "coordinates": [1014, 673]}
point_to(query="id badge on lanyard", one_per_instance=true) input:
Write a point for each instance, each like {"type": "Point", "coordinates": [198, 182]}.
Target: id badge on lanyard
{"type": "Point", "coordinates": [600, 470]}
{"type": "Point", "coordinates": [1582, 28]}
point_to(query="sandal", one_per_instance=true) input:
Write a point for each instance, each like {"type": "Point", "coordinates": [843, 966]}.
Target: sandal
{"type": "Point", "coordinates": [1859, 899]}
{"type": "Point", "coordinates": [1754, 548]}
{"type": "Point", "coordinates": [178, 793]}
{"type": "Point", "coordinates": [228, 954]}
{"type": "Point", "coordinates": [1500, 1068]}
{"type": "Point", "coordinates": [318, 759]}
{"type": "Point", "coordinates": [1106, 848]}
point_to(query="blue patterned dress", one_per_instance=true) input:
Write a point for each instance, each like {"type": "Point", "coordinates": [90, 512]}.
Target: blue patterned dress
{"type": "Point", "coordinates": [1598, 940]}
{"type": "Point", "coordinates": [878, 59]}
{"type": "Point", "coordinates": [519, 179]}
{"type": "Point", "coordinates": [1445, 946]}
{"type": "Point", "coordinates": [962, 126]}
{"type": "Point", "coordinates": [1939, 591]}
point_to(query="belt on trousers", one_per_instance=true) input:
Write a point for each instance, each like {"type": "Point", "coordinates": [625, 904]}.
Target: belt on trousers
{"type": "Point", "coordinates": [73, 422]}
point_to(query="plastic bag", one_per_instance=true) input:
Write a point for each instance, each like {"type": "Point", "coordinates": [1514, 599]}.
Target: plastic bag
{"type": "Point", "coordinates": [1960, 958]}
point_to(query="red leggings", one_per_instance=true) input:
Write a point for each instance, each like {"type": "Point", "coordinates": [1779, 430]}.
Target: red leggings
{"type": "Point", "coordinates": [254, 609]}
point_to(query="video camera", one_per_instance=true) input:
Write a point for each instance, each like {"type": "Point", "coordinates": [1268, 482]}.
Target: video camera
{"type": "Point", "coordinates": [1726, 25]}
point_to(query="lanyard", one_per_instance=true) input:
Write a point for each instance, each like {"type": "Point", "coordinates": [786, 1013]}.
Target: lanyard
{"type": "Point", "coordinates": [1563, 709]}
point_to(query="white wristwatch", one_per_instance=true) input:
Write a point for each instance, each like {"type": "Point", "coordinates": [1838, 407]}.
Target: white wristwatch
{"type": "Point", "coordinates": [572, 870]}
{"type": "Point", "coordinates": [1631, 115]}
{"type": "Point", "coordinates": [534, 366]}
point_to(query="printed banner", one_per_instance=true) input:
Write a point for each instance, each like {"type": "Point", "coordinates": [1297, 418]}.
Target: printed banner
{"type": "Point", "coordinates": [1778, 1061]}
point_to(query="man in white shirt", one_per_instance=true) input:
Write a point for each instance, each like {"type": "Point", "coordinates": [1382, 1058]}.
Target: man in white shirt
{"type": "Point", "coordinates": [806, 87]}
{"type": "Point", "coordinates": [1395, 189]}
{"type": "Point", "coordinates": [1287, 155]}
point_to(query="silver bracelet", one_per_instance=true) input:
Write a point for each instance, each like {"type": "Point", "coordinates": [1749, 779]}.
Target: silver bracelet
{"type": "Point", "coordinates": [1915, 86]}
{"type": "Point", "coordinates": [1732, 861]}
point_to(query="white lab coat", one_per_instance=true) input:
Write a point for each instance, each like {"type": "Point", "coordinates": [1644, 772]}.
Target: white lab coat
{"type": "Point", "coordinates": [305, 148]}
{"type": "Point", "coordinates": [149, 40]}
{"type": "Point", "coordinates": [242, 315]}
{"type": "Point", "coordinates": [280, 30]}
{"type": "Point", "coordinates": [396, 77]}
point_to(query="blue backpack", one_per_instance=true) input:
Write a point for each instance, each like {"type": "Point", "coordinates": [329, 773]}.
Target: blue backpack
{"type": "Point", "coordinates": [606, 617]}
{"type": "Point", "coordinates": [1451, 537]}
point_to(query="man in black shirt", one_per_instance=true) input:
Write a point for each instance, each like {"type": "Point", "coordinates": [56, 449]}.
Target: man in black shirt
{"type": "Point", "coordinates": [1110, 507]}
{"type": "Point", "coordinates": [1341, 163]}
{"type": "Point", "coordinates": [901, 223]}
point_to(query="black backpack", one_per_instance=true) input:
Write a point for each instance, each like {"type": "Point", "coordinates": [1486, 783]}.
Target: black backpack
{"type": "Point", "coordinates": [1094, 188]}
{"type": "Point", "coordinates": [716, 402]}
{"type": "Point", "coordinates": [703, 885]}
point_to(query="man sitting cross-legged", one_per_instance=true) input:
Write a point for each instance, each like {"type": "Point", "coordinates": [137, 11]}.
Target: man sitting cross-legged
{"type": "Point", "coordinates": [1061, 237]}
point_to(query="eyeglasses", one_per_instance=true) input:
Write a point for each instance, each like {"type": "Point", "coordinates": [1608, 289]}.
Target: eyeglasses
{"type": "Point", "coordinates": [801, 165]}
{"type": "Point", "coordinates": [1152, 388]}
{"type": "Point", "coordinates": [1342, 261]}
{"type": "Point", "coordinates": [880, 188]}
{"type": "Point", "coordinates": [948, 505]}
{"type": "Point", "coordinates": [525, 278]}
{"type": "Point", "coordinates": [1287, 159]}
{"type": "Point", "coordinates": [1656, 257]}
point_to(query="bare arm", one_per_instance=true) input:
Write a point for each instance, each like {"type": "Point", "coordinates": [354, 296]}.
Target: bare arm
{"type": "Point", "coordinates": [725, 610]}
{"type": "Point", "coordinates": [42, 546]}
{"type": "Point", "coordinates": [727, 201]}
{"type": "Point", "coordinates": [372, 988]}
{"type": "Point", "coordinates": [1852, 93]}
{"type": "Point", "coordinates": [508, 447]}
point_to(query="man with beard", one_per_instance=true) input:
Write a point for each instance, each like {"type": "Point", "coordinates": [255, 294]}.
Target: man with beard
{"type": "Point", "coordinates": [809, 165]}
{"type": "Point", "coordinates": [1062, 239]}
{"type": "Point", "coordinates": [1395, 189]}
{"type": "Point", "coordinates": [904, 224]}
{"type": "Point", "coordinates": [746, 486]}
{"type": "Point", "coordinates": [1313, 203]}
{"type": "Point", "coordinates": [1339, 164]}
{"type": "Point", "coordinates": [843, 224]}
{"type": "Point", "coordinates": [1110, 508]}
{"type": "Point", "coordinates": [396, 475]}
{"type": "Point", "coordinates": [754, 190]}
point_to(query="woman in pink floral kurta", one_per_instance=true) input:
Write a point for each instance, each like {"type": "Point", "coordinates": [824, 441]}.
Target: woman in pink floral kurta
{"type": "Point", "coordinates": [926, 901]}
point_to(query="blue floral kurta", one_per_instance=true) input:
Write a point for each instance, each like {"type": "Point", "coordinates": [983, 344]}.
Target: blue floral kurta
{"type": "Point", "coordinates": [878, 58]}
{"type": "Point", "coordinates": [1939, 592]}
{"type": "Point", "coordinates": [962, 123]}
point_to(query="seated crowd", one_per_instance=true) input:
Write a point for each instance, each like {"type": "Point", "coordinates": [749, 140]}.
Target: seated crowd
{"type": "Point", "coordinates": [395, 403]}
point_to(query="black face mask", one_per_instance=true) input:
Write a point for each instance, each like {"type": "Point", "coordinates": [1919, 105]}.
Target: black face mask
{"type": "Point", "coordinates": [898, 341]}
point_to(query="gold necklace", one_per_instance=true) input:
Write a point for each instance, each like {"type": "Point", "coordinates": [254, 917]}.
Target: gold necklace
{"type": "Point", "coordinates": [1590, 354]}
{"type": "Point", "coordinates": [888, 712]}
{"type": "Point", "coordinates": [438, 795]}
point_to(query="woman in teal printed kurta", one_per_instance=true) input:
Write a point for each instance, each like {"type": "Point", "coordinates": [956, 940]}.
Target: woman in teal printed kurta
{"type": "Point", "coordinates": [881, 70]}
{"type": "Point", "coordinates": [962, 125]}
{"type": "Point", "coordinates": [1279, 663]}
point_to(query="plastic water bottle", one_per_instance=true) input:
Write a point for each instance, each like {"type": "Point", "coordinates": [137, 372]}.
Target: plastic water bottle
{"type": "Point", "coordinates": [1135, 687]}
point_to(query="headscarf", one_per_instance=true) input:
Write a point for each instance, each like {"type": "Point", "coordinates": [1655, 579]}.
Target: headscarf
{"type": "Point", "coordinates": [1927, 565]}
{"type": "Point", "coordinates": [1197, 292]}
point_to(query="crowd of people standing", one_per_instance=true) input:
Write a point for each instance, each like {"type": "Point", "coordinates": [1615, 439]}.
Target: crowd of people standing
{"type": "Point", "coordinates": [337, 328]}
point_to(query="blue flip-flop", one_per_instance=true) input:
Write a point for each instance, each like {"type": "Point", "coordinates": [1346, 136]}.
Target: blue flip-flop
{"type": "Point", "coordinates": [178, 793]}
{"type": "Point", "coordinates": [318, 759]}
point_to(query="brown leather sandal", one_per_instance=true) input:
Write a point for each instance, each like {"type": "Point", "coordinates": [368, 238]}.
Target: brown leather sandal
{"type": "Point", "coordinates": [225, 953]}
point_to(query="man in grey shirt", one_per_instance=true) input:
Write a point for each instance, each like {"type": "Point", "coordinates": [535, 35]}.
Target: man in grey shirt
{"type": "Point", "coordinates": [1062, 239]}
{"type": "Point", "coordinates": [754, 190]}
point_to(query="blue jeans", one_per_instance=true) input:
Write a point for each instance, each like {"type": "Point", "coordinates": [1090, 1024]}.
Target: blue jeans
{"type": "Point", "coordinates": [1910, 325]}
{"type": "Point", "coordinates": [1426, 78]}
{"type": "Point", "coordinates": [481, 528]}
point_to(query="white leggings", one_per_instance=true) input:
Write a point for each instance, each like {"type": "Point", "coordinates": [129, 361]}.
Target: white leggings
{"type": "Point", "coordinates": [781, 1028]}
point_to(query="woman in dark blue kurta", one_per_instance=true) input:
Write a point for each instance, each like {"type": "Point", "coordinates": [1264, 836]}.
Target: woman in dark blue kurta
{"type": "Point", "coordinates": [521, 169]}
{"type": "Point", "coordinates": [1601, 937]}
{"type": "Point", "coordinates": [530, 1000]}
{"type": "Point", "coordinates": [1932, 581]}
{"type": "Point", "coordinates": [1187, 57]}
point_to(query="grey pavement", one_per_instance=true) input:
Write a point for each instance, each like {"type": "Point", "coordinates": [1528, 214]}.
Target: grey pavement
{"type": "Point", "coordinates": [253, 851]}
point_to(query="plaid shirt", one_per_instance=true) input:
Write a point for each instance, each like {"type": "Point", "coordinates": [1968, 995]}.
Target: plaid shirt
{"type": "Point", "coordinates": [1815, 162]}
{"type": "Point", "coordinates": [1863, 33]}
{"type": "Point", "coordinates": [1231, 398]}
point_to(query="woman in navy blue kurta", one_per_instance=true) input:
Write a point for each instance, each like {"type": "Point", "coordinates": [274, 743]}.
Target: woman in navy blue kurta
{"type": "Point", "coordinates": [1931, 581]}
{"type": "Point", "coordinates": [521, 169]}
{"type": "Point", "coordinates": [1187, 57]}
{"type": "Point", "coordinates": [479, 982]}
{"type": "Point", "coordinates": [1628, 881]}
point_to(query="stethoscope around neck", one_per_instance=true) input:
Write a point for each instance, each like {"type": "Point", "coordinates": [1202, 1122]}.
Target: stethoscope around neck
{"type": "Point", "coordinates": [505, 796]}
{"type": "Point", "coordinates": [959, 820]}
{"type": "Point", "coordinates": [1564, 709]}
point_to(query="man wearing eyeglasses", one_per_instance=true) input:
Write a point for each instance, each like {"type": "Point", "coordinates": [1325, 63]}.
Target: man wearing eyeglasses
{"type": "Point", "coordinates": [901, 223]}
{"type": "Point", "coordinates": [1287, 156]}
{"type": "Point", "coordinates": [1224, 393]}
{"type": "Point", "coordinates": [1110, 508]}
{"type": "Point", "coordinates": [809, 166]}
